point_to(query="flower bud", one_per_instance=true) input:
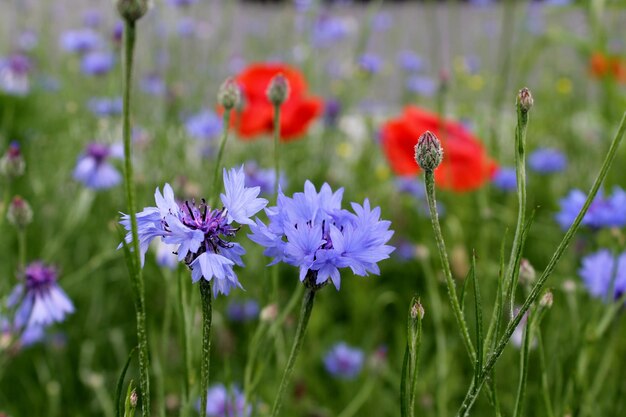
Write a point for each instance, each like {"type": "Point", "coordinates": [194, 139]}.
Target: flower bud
{"type": "Point", "coordinates": [134, 398]}
{"type": "Point", "coordinates": [132, 10]}
{"type": "Point", "coordinates": [19, 213]}
{"type": "Point", "coordinates": [428, 152]}
{"type": "Point", "coordinates": [12, 164]}
{"type": "Point", "coordinates": [269, 313]}
{"type": "Point", "coordinates": [547, 300]}
{"type": "Point", "coordinates": [229, 94]}
{"type": "Point", "coordinates": [525, 99]}
{"type": "Point", "coordinates": [278, 90]}
{"type": "Point", "coordinates": [527, 273]}
{"type": "Point", "coordinates": [417, 310]}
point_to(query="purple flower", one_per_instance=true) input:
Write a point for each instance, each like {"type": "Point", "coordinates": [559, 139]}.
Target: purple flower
{"type": "Point", "coordinates": [603, 212]}
{"type": "Point", "coordinates": [153, 84]}
{"type": "Point", "coordinates": [186, 27]}
{"type": "Point", "coordinates": [97, 63]}
{"type": "Point", "coordinates": [226, 403]}
{"type": "Point", "coordinates": [329, 30]}
{"type": "Point", "coordinates": [181, 3]}
{"type": "Point", "coordinates": [14, 75]}
{"type": "Point", "coordinates": [422, 85]}
{"type": "Point", "coordinates": [118, 32]}
{"type": "Point", "coordinates": [332, 111]}
{"type": "Point", "coordinates": [93, 168]}
{"type": "Point", "coordinates": [200, 234]}
{"type": "Point", "coordinates": [92, 18]}
{"type": "Point", "coordinates": [39, 300]}
{"type": "Point", "coordinates": [505, 179]}
{"type": "Point", "coordinates": [409, 61]}
{"type": "Point", "coordinates": [344, 361]}
{"type": "Point", "coordinates": [242, 311]}
{"type": "Point", "coordinates": [205, 125]}
{"type": "Point", "coordinates": [80, 41]}
{"type": "Point", "coordinates": [411, 185]}
{"type": "Point", "coordinates": [600, 274]}
{"type": "Point", "coordinates": [311, 231]}
{"type": "Point", "coordinates": [263, 178]}
{"type": "Point", "coordinates": [105, 106]}
{"type": "Point", "coordinates": [547, 161]}
{"type": "Point", "coordinates": [370, 63]}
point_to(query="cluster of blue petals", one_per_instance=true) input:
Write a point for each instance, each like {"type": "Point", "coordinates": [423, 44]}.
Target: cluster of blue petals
{"type": "Point", "coordinates": [311, 231]}
{"type": "Point", "coordinates": [605, 211]}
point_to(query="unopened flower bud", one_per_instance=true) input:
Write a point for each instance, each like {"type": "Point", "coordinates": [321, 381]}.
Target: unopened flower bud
{"type": "Point", "coordinates": [278, 90]}
{"type": "Point", "coordinates": [547, 300]}
{"type": "Point", "coordinates": [134, 398]}
{"type": "Point", "coordinates": [229, 94]}
{"type": "Point", "coordinates": [12, 164]}
{"type": "Point", "coordinates": [19, 213]}
{"type": "Point", "coordinates": [132, 10]}
{"type": "Point", "coordinates": [525, 99]}
{"type": "Point", "coordinates": [269, 313]}
{"type": "Point", "coordinates": [428, 152]}
{"type": "Point", "coordinates": [527, 273]}
{"type": "Point", "coordinates": [417, 310]}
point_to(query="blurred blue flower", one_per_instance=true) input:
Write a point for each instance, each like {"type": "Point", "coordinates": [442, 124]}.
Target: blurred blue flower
{"type": "Point", "coordinates": [14, 75]}
{"type": "Point", "coordinates": [344, 361]}
{"type": "Point", "coordinates": [263, 178]}
{"type": "Point", "coordinates": [205, 125]}
{"type": "Point", "coordinates": [411, 185]}
{"type": "Point", "coordinates": [422, 85]}
{"type": "Point", "coordinates": [186, 27]}
{"type": "Point", "coordinates": [311, 231]}
{"type": "Point", "coordinates": [105, 106]}
{"type": "Point", "coordinates": [405, 250]}
{"type": "Point", "coordinates": [153, 84]}
{"type": "Point", "coordinates": [332, 111]}
{"type": "Point", "coordinates": [409, 61]}
{"type": "Point", "coordinates": [242, 311]}
{"type": "Point", "coordinates": [80, 41]}
{"type": "Point", "coordinates": [117, 32]}
{"type": "Point", "coordinates": [93, 168]}
{"type": "Point", "coordinates": [505, 179]}
{"type": "Point", "coordinates": [166, 255]}
{"type": "Point", "coordinates": [600, 274]}
{"type": "Point", "coordinates": [97, 63]}
{"type": "Point", "coordinates": [222, 402]}
{"type": "Point", "coordinates": [92, 18]}
{"type": "Point", "coordinates": [201, 234]}
{"type": "Point", "coordinates": [39, 299]}
{"type": "Point", "coordinates": [604, 211]}
{"type": "Point", "coordinates": [181, 3]}
{"type": "Point", "coordinates": [547, 161]}
{"type": "Point", "coordinates": [328, 30]}
{"type": "Point", "coordinates": [370, 63]}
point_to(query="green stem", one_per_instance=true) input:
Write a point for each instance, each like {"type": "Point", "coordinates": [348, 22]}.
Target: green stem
{"type": "Point", "coordinates": [276, 148]}
{"type": "Point", "coordinates": [182, 303]}
{"type": "Point", "coordinates": [136, 274]}
{"type": "Point", "coordinates": [545, 386]}
{"type": "Point", "coordinates": [21, 239]}
{"type": "Point", "coordinates": [220, 154]}
{"type": "Point", "coordinates": [429, 180]}
{"type": "Point", "coordinates": [472, 393]}
{"type": "Point", "coordinates": [305, 314]}
{"type": "Point", "coordinates": [512, 272]}
{"type": "Point", "coordinates": [205, 294]}
{"type": "Point", "coordinates": [521, 388]}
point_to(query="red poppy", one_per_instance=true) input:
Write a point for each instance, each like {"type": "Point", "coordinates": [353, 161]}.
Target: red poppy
{"type": "Point", "coordinates": [465, 165]}
{"type": "Point", "coordinates": [601, 65]}
{"type": "Point", "coordinates": [256, 117]}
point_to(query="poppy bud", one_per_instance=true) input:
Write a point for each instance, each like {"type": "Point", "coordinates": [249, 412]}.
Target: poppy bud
{"type": "Point", "coordinates": [12, 164]}
{"type": "Point", "coordinates": [428, 152]}
{"type": "Point", "coordinates": [132, 10]}
{"type": "Point", "coordinates": [525, 99]}
{"type": "Point", "coordinates": [278, 90]}
{"type": "Point", "coordinates": [229, 94]}
{"type": "Point", "coordinates": [19, 213]}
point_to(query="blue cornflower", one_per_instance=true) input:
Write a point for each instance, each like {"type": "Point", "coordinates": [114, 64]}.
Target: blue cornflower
{"type": "Point", "coordinates": [92, 18]}
{"type": "Point", "coordinates": [409, 61]}
{"type": "Point", "coordinates": [370, 63]}
{"type": "Point", "coordinates": [105, 106]}
{"type": "Point", "coordinates": [600, 274]}
{"type": "Point", "coordinates": [242, 311]}
{"type": "Point", "coordinates": [93, 168]}
{"type": "Point", "coordinates": [505, 179]}
{"type": "Point", "coordinates": [201, 234]}
{"type": "Point", "coordinates": [311, 231]}
{"type": "Point", "coordinates": [97, 63]}
{"type": "Point", "coordinates": [14, 75]}
{"type": "Point", "coordinates": [222, 402]}
{"type": "Point", "coordinates": [186, 27]}
{"type": "Point", "coordinates": [39, 300]}
{"type": "Point", "coordinates": [411, 185]}
{"type": "Point", "coordinates": [263, 178]}
{"type": "Point", "coordinates": [547, 161]}
{"type": "Point", "coordinates": [181, 3]}
{"type": "Point", "coordinates": [422, 85]}
{"type": "Point", "coordinates": [153, 84]}
{"type": "Point", "coordinates": [344, 361]}
{"type": "Point", "coordinates": [329, 30]}
{"type": "Point", "coordinates": [205, 125]}
{"type": "Point", "coordinates": [603, 212]}
{"type": "Point", "coordinates": [80, 41]}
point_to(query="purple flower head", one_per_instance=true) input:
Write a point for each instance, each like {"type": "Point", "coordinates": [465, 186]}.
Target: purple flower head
{"type": "Point", "coordinates": [263, 178]}
{"type": "Point", "coordinates": [92, 18]}
{"type": "Point", "coordinates": [409, 61]}
{"type": "Point", "coordinates": [153, 84]}
{"type": "Point", "coordinates": [311, 231]}
{"type": "Point", "coordinates": [222, 402]}
{"type": "Point", "coordinates": [370, 63]}
{"type": "Point", "coordinates": [547, 161]}
{"type": "Point", "coordinates": [602, 272]}
{"type": "Point", "coordinates": [14, 75]}
{"type": "Point", "coordinates": [118, 32]}
{"type": "Point", "coordinates": [505, 179]}
{"type": "Point", "coordinates": [205, 125]}
{"type": "Point", "coordinates": [242, 311]}
{"type": "Point", "coordinates": [39, 300]}
{"type": "Point", "coordinates": [329, 30]}
{"type": "Point", "coordinates": [344, 361]}
{"type": "Point", "coordinates": [80, 41]}
{"type": "Point", "coordinates": [604, 211]}
{"type": "Point", "coordinates": [422, 85]}
{"type": "Point", "coordinates": [105, 106]}
{"type": "Point", "coordinates": [201, 235]}
{"type": "Point", "coordinates": [93, 168]}
{"type": "Point", "coordinates": [97, 63]}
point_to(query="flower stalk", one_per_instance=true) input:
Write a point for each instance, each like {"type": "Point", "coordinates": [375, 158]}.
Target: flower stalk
{"type": "Point", "coordinates": [207, 313]}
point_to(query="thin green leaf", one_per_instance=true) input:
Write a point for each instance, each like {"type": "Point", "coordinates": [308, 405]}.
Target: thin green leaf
{"type": "Point", "coordinates": [479, 318]}
{"type": "Point", "coordinates": [120, 383]}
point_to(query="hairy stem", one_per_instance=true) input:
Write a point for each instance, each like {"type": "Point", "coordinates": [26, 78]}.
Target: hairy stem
{"type": "Point", "coordinates": [205, 294]}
